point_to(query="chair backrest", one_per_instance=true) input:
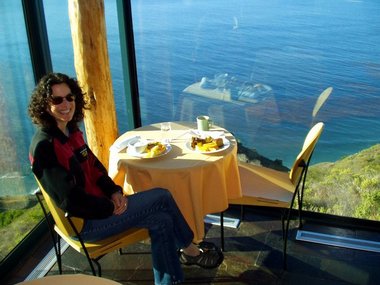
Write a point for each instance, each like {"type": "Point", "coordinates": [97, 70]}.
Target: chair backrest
{"type": "Point", "coordinates": [305, 153]}
{"type": "Point", "coordinates": [59, 215]}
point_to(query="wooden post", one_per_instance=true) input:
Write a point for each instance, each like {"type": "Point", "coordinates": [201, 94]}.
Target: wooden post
{"type": "Point", "coordinates": [92, 66]}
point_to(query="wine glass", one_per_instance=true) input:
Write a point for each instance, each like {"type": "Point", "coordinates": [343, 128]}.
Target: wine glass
{"type": "Point", "coordinates": [165, 128]}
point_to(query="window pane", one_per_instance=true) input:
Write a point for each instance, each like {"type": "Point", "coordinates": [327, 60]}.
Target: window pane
{"type": "Point", "coordinates": [59, 34]}
{"type": "Point", "coordinates": [61, 48]}
{"type": "Point", "coordinates": [19, 211]}
{"type": "Point", "coordinates": [258, 68]}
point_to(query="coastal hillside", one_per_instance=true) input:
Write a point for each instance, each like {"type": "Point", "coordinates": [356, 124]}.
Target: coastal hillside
{"type": "Point", "coordinates": [246, 154]}
{"type": "Point", "coordinates": [348, 187]}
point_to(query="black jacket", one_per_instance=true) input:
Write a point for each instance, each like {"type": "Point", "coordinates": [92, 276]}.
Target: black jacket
{"type": "Point", "coordinates": [71, 174]}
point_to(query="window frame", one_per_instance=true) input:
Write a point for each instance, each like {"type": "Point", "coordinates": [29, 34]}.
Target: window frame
{"type": "Point", "coordinates": [41, 64]}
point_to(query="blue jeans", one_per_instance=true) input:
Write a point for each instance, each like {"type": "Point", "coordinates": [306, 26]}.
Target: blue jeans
{"type": "Point", "coordinates": [157, 211]}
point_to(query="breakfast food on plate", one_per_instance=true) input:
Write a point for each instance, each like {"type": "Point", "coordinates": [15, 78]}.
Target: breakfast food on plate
{"type": "Point", "coordinates": [206, 144]}
{"type": "Point", "coordinates": [155, 149]}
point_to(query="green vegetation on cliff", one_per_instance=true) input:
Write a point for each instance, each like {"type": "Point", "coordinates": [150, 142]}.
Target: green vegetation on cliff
{"type": "Point", "coordinates": [16, 224]}
{"type": "Point", "coordinates": [348, 187]}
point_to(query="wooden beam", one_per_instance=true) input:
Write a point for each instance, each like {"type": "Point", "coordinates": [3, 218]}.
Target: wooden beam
{"type": "Point", "coordinates": [92, 66]}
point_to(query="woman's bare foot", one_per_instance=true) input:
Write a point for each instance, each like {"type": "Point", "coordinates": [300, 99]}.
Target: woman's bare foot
{"type": "Point", "coordinates": [191, 250]}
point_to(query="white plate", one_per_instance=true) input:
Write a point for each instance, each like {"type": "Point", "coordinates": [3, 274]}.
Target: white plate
{"type": "Point", "coordinates": [226, 144]}
{"type": "Point", "coordinates": [132, 152]}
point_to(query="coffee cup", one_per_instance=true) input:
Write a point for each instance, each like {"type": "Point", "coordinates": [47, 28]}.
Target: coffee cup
{"type": "Point", "coordinates": [203, 123]}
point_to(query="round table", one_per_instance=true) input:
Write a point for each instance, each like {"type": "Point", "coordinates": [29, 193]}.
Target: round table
{"type": "Point", "coordinates": [70, 279]}
{"type": "Point", "coordinates": [200, 183]}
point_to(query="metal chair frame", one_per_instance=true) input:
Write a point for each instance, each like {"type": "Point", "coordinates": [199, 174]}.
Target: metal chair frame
{"type": "Point", "coordinates": [57, 235]}
{"type": "Point", "coordinates": [298, 192]}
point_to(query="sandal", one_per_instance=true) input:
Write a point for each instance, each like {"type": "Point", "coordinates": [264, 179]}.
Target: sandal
{"type": "Point", "coordinates": [206, 259]}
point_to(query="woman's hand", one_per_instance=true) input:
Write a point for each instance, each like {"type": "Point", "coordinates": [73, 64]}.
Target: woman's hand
{"type": "Point", "coordinates": [120, 203]}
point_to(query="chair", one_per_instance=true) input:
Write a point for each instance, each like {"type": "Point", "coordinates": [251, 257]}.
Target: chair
{"type": "Point", "coordinates": [66, 226]}
{"type": "Point", "coordinates": [263, 186]}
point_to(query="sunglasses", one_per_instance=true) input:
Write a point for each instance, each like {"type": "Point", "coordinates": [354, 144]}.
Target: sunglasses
{"type": "Point", "coordinates": [58, 100]}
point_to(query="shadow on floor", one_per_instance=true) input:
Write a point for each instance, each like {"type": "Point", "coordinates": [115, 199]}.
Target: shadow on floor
{"type": "Point", "coordinates": [253, 255]}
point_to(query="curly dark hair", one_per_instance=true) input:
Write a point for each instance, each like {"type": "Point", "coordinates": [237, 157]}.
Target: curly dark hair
{"type": "Point", "coordinates": [39, 101]}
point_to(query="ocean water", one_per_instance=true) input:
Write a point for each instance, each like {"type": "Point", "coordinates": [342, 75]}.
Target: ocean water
{"type": "Point", "coordinates": [298, 48]}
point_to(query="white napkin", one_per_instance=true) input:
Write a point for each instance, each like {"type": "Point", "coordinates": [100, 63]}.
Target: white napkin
{"type": "Point", "coordinates": [119, 145]}
{"type": "Point", "coordinates": [203, 134]}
